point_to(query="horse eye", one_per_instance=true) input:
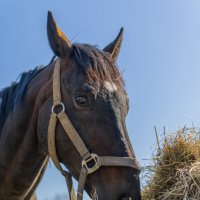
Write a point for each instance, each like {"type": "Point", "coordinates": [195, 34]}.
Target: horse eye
{"type": "Point", "coordinates": [81, 100]}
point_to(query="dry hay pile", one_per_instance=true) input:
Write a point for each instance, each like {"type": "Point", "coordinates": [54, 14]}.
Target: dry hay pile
{"type": "Point", "coordinates": [175, 170]}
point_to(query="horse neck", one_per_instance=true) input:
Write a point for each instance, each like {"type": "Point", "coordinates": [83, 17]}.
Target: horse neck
{"type": "Point", "coordinates": [22, 160]}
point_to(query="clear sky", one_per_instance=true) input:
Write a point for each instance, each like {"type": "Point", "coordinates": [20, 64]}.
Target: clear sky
{"type": "Point", "coordinates": [160, 58]}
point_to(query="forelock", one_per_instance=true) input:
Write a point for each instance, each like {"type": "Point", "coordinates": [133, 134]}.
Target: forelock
{"type": "Point", "coordinates": [98, 66]}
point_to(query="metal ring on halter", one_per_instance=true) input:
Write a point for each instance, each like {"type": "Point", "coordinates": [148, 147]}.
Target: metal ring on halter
{"type": "Point", "coordinates": [95, 165]}
{"type": "Point", "coordinates": [54, 106]}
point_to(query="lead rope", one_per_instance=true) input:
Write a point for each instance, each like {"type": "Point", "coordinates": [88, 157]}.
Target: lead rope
{"type": "Point", "coordinates": [71, 132]}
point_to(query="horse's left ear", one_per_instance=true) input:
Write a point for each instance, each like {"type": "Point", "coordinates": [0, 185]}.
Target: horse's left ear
{"type": "Point", "coordinates": [114, 47]}
{"type": "Point", "coordinates": [59, 43]}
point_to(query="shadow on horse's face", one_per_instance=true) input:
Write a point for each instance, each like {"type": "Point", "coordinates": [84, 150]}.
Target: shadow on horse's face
{"type": "Point", "coordinates": [97, 104]}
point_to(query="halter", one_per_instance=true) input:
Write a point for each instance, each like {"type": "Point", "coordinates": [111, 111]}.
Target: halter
{"type": "Point", "coordinates": [90, 161]}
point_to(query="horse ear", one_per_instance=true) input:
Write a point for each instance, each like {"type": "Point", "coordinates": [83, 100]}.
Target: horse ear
{"type": "Point", "coordinates": [59, 43]}
{"type": "Point", "coordinates": [114, 47]}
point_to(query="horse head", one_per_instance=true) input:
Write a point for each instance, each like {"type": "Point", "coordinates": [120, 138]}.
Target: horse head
{"type": "Point", "coordinates": [96, 103]}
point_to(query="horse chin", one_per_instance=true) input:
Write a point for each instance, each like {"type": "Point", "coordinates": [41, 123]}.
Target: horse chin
{"type": "Point", "coordinates": [94, 196]}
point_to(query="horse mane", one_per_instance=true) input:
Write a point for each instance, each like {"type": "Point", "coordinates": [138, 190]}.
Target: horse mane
{"type": "Point", "coordinates": [98, 65]}
{"type": "Point", "coordinates": [11, 96]}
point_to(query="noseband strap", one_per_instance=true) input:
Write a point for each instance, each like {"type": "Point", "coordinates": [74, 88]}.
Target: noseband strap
{"type": "Point", "coordinates": [90, 161]}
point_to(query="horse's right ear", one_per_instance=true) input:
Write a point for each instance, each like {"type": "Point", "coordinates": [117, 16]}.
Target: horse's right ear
{"type": "Point", "coordinates": [59, 43]}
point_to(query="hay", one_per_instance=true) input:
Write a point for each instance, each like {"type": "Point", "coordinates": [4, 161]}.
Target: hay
{"type": "Point", "coordinates": [175, 170]}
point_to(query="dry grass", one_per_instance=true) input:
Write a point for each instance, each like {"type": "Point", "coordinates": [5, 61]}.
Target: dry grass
{"type": "Point", "coordinates": [175, 170]}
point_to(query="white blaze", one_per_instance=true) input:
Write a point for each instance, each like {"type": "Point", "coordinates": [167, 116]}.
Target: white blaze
{"type": "Point", "coordinates": [110, 86]}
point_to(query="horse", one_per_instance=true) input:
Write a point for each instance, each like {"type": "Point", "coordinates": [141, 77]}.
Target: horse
{"type": "Point", "coordinates": [84, 86]}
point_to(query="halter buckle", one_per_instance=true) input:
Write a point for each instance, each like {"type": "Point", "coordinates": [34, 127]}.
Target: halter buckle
{"type": "Point", "coordinates": [61, 106]}
{"type": "Point", "coordinates": [91, 164]}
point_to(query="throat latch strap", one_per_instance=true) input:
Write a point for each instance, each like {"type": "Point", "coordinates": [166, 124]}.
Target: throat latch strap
{"type": "Point", "coordinates": [90, 162]}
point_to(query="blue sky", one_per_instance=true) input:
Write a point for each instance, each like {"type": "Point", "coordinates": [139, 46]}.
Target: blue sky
{"type": "Point", "coordinates": [160, 58]}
